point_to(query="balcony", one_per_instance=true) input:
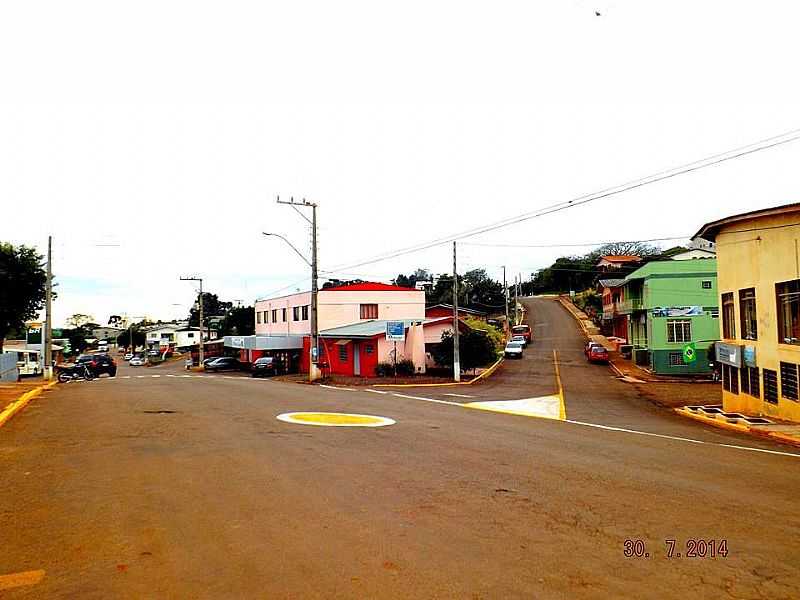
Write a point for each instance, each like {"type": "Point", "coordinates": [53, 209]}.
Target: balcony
{"type": "Point", "coordinates": [630, 305]}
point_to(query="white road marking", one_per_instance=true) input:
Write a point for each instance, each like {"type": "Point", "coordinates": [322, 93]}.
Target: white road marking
{"type": "Point", "coordinates": [375, 391]}
{"type": "Point", "coordinates": [333, 387]}
{"type": "Point", "coordinates": [186, 376]}
{"type": "Point", "coordinates": [428, 399]}
{"type": "Point", "coordinates": [140, 377]}
{"type": "Point", "coordinates": [126, 376]}
{"type": "Point", "coordinates": [155, 375]}
{"type": "Point", "coordinates": [459, 395]}
{"type": "Point", "coordinates": [171, 375]}
{"type": "Point", "coordinates": [546, 407]}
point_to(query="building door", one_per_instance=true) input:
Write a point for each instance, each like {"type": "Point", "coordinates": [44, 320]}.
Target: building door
{"type": "Point", "coordinates": [356, 358]}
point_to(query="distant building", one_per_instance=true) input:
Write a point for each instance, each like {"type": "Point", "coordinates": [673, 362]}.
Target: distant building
{"type": "Point", "coordinates": [446, 310]}
{"type": "Point", "coordinates": [759, 285]}
{"type": "Point", "coordinates": [614, 321]}
{"type": "Point", "coordinates": [669, 305]}
{"type": "Point", "coordinates": [612, 262]}
{"type": "Point", "coordinates": [107, 333]}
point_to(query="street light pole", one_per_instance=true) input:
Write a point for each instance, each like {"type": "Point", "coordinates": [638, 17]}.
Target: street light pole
{"type": "Point", "coordinates": [456, 353]}
{"type": "Point", "coordinates": [313, 366]}
{"type": "Point", "coordinates": [505, 291]}
{"type": "Point", "coordinates": [47, 340]}
{"type": "Point", "coordinates": [200, 308]}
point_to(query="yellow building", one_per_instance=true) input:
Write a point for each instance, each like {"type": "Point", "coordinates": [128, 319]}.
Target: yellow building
{"type": "Point", "coordinates": [758, 277]}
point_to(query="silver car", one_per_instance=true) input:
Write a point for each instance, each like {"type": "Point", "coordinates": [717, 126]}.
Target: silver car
{"type": "Point", "coordinates": [513, 350]}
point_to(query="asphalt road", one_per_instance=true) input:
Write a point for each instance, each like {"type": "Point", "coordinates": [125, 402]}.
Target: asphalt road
{"type": "Point", "coordinates": [167, 486]}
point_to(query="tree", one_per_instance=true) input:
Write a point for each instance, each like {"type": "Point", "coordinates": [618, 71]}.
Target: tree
{"type": "Point", "coordinates": [212, 307]}
{"type": "Point", "coordinates": [475, 349]}
{"type": "Point", "coordinates": [481, 291]}
{"type": "Point", "coordinates": [131, 337]}
{"type": "Point", "coordinates": [115, 321]}
{"type": "Point", "coordinates": [240, 321]}
{"type": "Point", "coordinates": [79, 320]}
{"type": "Point", "coordinates": [640, 249]}
{"type": "Point", "coordinates": [77, 339]}
{"type": "Point", "coordinates": [22, 287]}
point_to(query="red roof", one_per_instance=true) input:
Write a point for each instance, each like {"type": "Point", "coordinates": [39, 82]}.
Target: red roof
{"type": "Point", "coordinates": [620, 258]}
{"type": "Point", "coordinates": [370, 286]}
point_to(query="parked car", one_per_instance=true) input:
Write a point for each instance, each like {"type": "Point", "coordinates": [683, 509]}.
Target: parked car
{"type": "Point", "coordinates": [99, 364]}
{"type": "Point", "coordinates": [136, 361]}
{"type": "Point", "coordinates": [153, 353]}
{"type": "Point", "coordinates": [520, 338]}
{"type": "Point", "coordinates": [522, 330]}
{"type": "Point", "coordinates": [266, 365]}
{"type": "Point", "coordinates": [129, 356]}
{"type": "Point", "coordinates": [209, 359]}
{"type": "Point", "coordinates": [513, 350]}
{"type": "Point", "coordinates": [596, 353]}
{"type": "Point", "coordinates": [223, 363]}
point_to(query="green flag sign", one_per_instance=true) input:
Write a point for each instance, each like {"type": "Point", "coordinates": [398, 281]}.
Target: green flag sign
{"type": "Point", "coordinates": [689, 353]}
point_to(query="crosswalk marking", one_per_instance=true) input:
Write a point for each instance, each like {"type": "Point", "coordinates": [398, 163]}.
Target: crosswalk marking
{"type": "Point", "coordinates": [459, 395]}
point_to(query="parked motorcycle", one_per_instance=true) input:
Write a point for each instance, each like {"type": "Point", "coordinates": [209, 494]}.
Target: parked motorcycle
{"type": "Point", "coordinates": [68, 373]}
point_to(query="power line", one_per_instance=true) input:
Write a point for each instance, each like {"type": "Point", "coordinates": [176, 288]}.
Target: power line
{"type": "Point", "coordinates": [576, 245]}
{"type": "Point", "coordinates": [696, 165]}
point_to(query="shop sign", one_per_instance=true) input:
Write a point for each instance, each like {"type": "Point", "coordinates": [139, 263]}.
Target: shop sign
{"type": "Point", "coordinates": [729, 354]}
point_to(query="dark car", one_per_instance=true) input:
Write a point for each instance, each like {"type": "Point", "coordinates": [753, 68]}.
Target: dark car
{"type": "Point", "coordinates": [264, 366]}
{"type": "Point", "coordinates": [99, 364]}
{"type": "Point", "coordinates": [223, 363]}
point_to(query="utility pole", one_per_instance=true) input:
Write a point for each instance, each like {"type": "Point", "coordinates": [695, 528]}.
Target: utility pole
{"type": "Point", "coordinates": [47, 339]}
{"type": "Point", "coordinates": [313, 366]}
{"type": "Point", "coordinates": [200, 308]}
{"type": "Point", "coordinates": [505, 291]}
{"type": "Point", "coordinates": [516, 300]}
{"type": "Point", "coordinates": [456, 357]}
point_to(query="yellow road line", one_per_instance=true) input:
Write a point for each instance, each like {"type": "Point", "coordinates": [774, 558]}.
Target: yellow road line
{"type": "Point", "coordinates": [19, 579]}
{"type": "Point", "coordinates": [562, 409]}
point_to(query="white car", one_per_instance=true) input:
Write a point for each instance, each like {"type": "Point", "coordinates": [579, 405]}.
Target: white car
{"type": "Point", "coordinates": [136, 361]}
{"type": "Point", "coordinates": [513, 350]}
{"type": "Point", "coordinates": [129, 356]}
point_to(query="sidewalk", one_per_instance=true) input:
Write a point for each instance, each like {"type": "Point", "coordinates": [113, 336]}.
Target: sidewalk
{"type": "Point", "coordinates": [781, 431]}
{"type": "Point", "coordinates": [16, 396]}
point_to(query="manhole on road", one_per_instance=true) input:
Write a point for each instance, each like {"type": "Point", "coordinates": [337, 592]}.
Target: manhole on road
{"type": "Point", "coordinates": [327, 419]}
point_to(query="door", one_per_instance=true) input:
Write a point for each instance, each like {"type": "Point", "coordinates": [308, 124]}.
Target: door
{"type": "Point", "coordinates": [356, 358]}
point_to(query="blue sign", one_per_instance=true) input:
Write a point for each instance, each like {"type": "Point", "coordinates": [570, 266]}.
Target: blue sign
{"type": "Point", "coordinates": [749, 356]}
{"type": "Point", "coordinates": [395, 331]}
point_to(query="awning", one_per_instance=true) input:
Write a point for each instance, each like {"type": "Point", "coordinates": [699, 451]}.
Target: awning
{"type": "Point", "coordinates": [264, 342]}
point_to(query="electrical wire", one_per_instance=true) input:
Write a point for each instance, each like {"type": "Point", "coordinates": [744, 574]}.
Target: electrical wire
{"type": "Point", "coordinates": [576, 245]}
{"type": "Point", "coordinates": [696, 165]}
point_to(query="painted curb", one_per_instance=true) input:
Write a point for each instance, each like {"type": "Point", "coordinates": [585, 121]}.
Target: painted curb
{"type": "Point", "coordinates": [487, 373]}
{"type": "Point", "coordinates": [21, 402]}
{"type": "Point", "coordinates": [769, 435]}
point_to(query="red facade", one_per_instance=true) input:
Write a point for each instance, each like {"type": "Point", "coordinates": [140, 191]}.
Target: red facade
{"type": "Point", "coordinates": [337, 357]}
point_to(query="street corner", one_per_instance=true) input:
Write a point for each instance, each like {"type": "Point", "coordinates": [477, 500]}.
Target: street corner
{"type": "Point", "coordinates": [764, 427]}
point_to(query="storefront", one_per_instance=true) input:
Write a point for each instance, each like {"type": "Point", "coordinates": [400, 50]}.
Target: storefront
{"type": "Point", "coordinates": [286, 349]}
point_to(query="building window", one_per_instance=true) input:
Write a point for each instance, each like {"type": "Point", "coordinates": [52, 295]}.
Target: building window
{"type": "Point", "coordinates": [770, 386]}
{"type": "Point", "coordinates": [706, 285]}
{"type": "Point", "coordinates": [258, 320]}
{"type": "Point", "coordinates": [679, 330]}
{"type": "Point", "coordinates": [789, 380]}
{"type": "Point", "coordinates": [343, 353]}
{"type": "Point", "coordinates": [728, 316]}
{"type": "Point", "coordinates": [755, 384]}
{"type": "Point", "coordinates": [305, 312]}
{"type": "Point", "coordinates": [274, 315]}
{"type": "Point", "coordinates": [295, 313]}
{"type": "Point", "coordinates": [788, 298]}
{"type": "Point", "coordinates": [747, 314]}
{"type": "Point", "coordinates": [368, 349]}
{"type": "Point", "coordinates": [191, 335]}
{"type": "Point", "coordinates": [676, 359]}
{"type": "Point", "coordinates": [714, 312]}
{"type": "Point", "coordinates": [283, 315]}
{"type": "Point", "coordinates": [730, 379]}
{"type": "Point", "coordinates": [266, 316]}
{"type": "Point", "coordinates": [369, 311]}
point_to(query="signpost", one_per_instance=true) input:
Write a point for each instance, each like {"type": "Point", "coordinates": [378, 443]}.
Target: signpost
{"type": "Point", "coordinates": [395, 330]}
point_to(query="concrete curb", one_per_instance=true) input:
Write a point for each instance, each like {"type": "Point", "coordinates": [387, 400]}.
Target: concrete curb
{"type": "Point", "coordinates": [769, 435]}
{"type": "Point", "coordinates": [487, 373]}
{"type": "Point", "coordinates": [21, 402]}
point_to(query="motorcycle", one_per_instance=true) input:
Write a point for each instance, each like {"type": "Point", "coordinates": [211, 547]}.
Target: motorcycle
{"type": "Point", "coordinates": [67, 373]}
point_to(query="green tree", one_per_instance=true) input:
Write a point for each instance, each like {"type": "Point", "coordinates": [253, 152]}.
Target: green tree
{"type": "Point", "coordinates": [212, 307]}
{"type": "Point", "coordinates": [475, 349]}
{"type": "Point", "coordinates": [240, 321]}
{"type": "Point", "coordinates": [80, 320]}
{"type": "Point", "coordinates": [131, 337]}
{"type": "Point", "coordinates": [22, 287]}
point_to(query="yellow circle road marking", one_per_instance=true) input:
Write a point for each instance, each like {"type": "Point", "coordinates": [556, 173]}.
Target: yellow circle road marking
{"type": "Point", "coordinates": [326, 419]}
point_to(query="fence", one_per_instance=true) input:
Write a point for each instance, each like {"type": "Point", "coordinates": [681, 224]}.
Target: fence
{"type": "Point", "coordinates": [8, 367]}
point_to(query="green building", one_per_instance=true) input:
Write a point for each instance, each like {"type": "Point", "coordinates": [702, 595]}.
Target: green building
{"type": "Point", "coordinates": [673, 312]}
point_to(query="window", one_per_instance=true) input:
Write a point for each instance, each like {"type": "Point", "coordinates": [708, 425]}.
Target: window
{"type": "Point", "coordinates": [305, 312]}
{"type": "Point", "coordinates": [788, 298]}
{"type": "Point", "coordinates": [283, 315]}
{"type": "Point", "coordinates": [190, 334]}
{"type": "Point", "coordinates": [266, 316]}
{"type": "Point", "coordinates": [728, 316]}
{"type": "Point", "coordinates": [747, 314]}
{"type": "Point", "coordinates": [274, 315]}
{"type": "Point", "coordinates": [714, 312]}
{"type": "Point", "coordinates": [770, 386]}
{"type": "Point", "coordinates": [343, 353]}
{"type": "Point", "coordinates": [730, 379]}
{"type": "Point", "coordinates": [679, 330]}
{"type": "Point", "coordinates": [295, 313]}
{"type": "Point", "coordinates": [789, 380]}
{"type": "Point", "coordinates": [750, 383]}
{"type": "Point", "coordinates": [258, 320]}
{"type": "Point", "coordinates": [369, 311]}
{"type": "Point", "coordinates": [676, 359]}
{"type": "Point", "coordinates": [706, 285]}
{"type": "Point", "coordinates": [368, 349]}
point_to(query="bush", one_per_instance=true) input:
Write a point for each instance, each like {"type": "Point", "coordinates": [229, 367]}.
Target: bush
{"type": "Point", "coordinates": [386, 369]}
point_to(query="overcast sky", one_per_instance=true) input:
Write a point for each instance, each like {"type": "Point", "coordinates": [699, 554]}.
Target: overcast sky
{"type": "Point", "coordinates": [167, 129]}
